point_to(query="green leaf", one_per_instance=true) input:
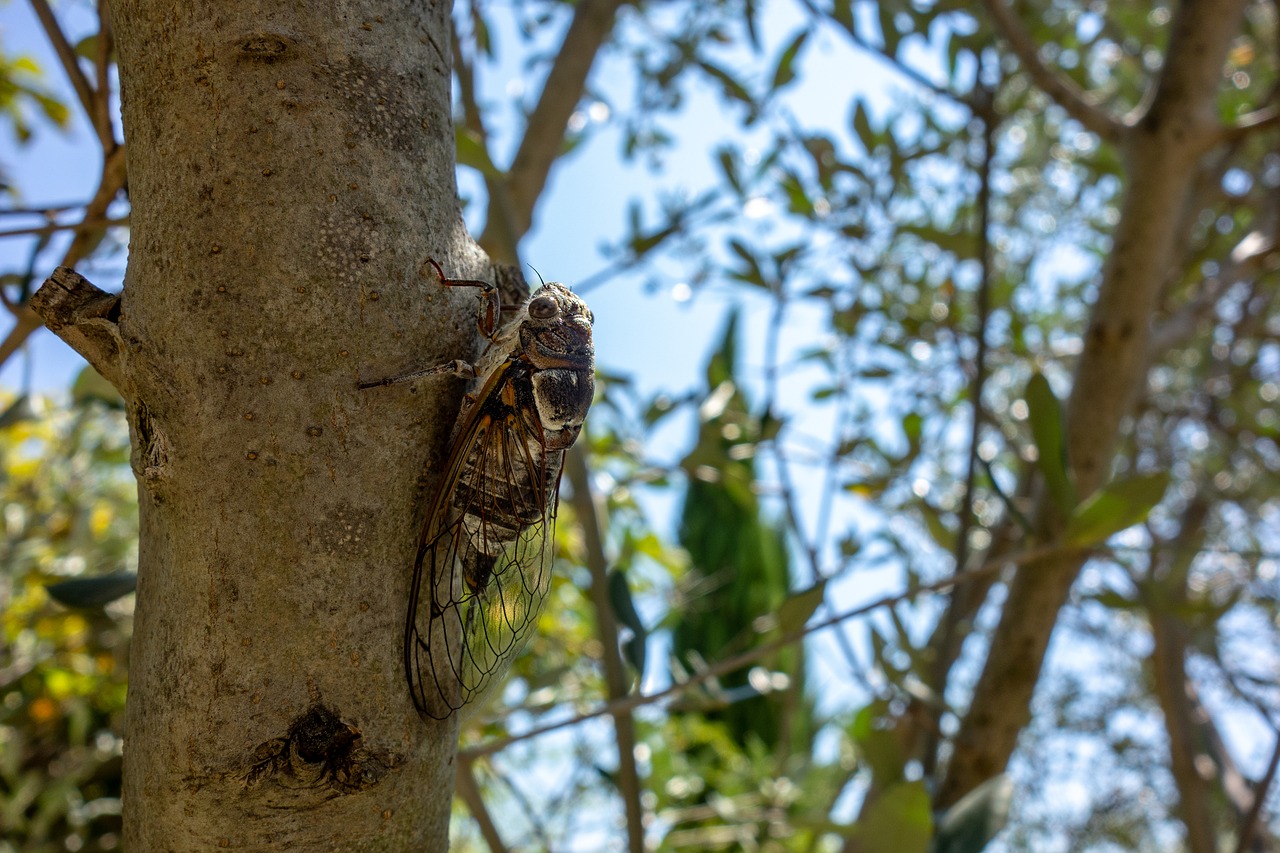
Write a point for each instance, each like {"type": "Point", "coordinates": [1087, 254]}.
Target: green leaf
{"type": "Point", "coordinates": [89, 385]}
{"type": "Point", "coordinates": [729, 166]}
{"type": "Point", "coordinates": [888, 28]}
{"type": "Point", "coordinates": [896, 821]}
{"type": "Point", "coordinates": [878, 747]}
{"type": "Point", "coordinates": [624, 608]}
{"type": "Point", "coordinates": [18, 411]}
{"type": "Point", "coordinates": [87, 48]}
{"type": "Point", "coordinates": [798, 607]}
{"type": "Point", "coordinates": [975, 819]}
{"type": "Point", "coordinates": [1116, 506]}
{"type": "Point", "coordinates": [1048, 433]}
{"type": "Point", "coordinates": [472, 152]}
{"type": "Point", "coordinates": [862, 127]}
{"type": "Point", "coordinates": [93, 592]}
{"type": "Point", "coordinates": [732, 88]}
{"type": "Point", "coordinates": [938, 529]}
{"type": "Point", "coordinates": [785, 72]}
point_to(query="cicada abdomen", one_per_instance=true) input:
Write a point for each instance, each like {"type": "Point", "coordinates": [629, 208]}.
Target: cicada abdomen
{"type": "Point", "coordinates": [484, 560]}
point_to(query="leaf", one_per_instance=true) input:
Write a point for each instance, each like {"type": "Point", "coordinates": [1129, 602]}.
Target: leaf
{"type": "Point", "coordinates": [729, 165]}
{"type": "Point", "coordinates": [878, 747]}
{"type": "Point", "coordinates": [472, 152]}
{"type": "Point", "coordinates": [888, 28]}
{"type": "Point", "coordinates": [1048, 433]}
{"type": "Point", "coordinates": [18, 411]}
{"type": "Point", "coordinates": [732, 88]}
{"type": "Point", "coordinates": [624, 608]}
{"type": "Point", "coordinates": [87, 48]}
{"type": "Point", "coordinates": [785, 72]}
{"type": "Point", "coordinates": [1116, 506]}
{"type": "Point", "coordinates": [975, 819]}
{"type": "Point", "coordinates": [797, 608]}
{"type": "Point", "coordinates": [897, 821]}
{"type": "Point", "coordinates": [938, 529]}
{"type": "Point", "coordinates": [93, 592]}
{"type": "Point", "coordinates": [862, 127]}
{"type": "Point", "coordinates": [89, 385]}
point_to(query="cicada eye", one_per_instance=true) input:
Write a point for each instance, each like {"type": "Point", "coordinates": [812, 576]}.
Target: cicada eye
{"type": "Point", "coordinates": [543, 307]}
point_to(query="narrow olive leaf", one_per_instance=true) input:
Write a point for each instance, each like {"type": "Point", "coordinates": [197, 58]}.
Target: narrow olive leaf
{"type": "Point", "coordinates": [93, 592]}
{"type": "Point", "coordinates": [785, 72]}
{"type": "Point", "coordinates": [800, 606]}
{"type": "Point", "coordinates": [1045, 416]}
{"type": "Point", "coordinates": [624, 608]}
{"type": "Point", "coordinates": [729, 166]}
{"type": "Point", "coordinates": [862, 127]}
{"type": "Point", "coordinates": [18, 411]}
{"type": "Point", "coordinates": [974, 820]}
{"type": "Point", "coordinates": [90, 386]}
{"type": "Point", "coordinates": [897, 821]}
{"type": "Point", "coordinates": [1114, 507]}
{"type": "Point", "coordinates": [472, 152]}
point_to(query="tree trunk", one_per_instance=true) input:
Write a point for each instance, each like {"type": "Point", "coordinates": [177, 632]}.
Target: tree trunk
{"type": "Point", "coordinates": [290, 168]}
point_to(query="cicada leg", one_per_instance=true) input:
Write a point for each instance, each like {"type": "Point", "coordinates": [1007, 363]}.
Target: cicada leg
{"type": "Point", "coordinates": [490, 300]}
{"type": "Point", "coordinates": [458, 367]}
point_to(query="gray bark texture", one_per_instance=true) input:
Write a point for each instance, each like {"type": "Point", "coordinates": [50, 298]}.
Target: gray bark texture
{"type": "Point", "coordinates": [291, 168]}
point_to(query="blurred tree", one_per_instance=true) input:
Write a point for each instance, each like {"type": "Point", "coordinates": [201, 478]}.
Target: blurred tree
{"type": "Point", "coordinates": [69, 508]}
{"type": "Point", "coordinates": [1019, 353]}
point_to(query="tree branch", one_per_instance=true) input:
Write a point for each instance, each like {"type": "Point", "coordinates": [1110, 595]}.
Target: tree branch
{"type": "Point", "coordinates": [67, 56]}
{"type": "Point", "coordinates": [1249, 823]}
{"type": "Point", "coordinates": [628, 779]}
{"type": "Point", "coordinates": [1162, 149]}
{"type": "Point", "coordinates": [1062, 89]}
{"type": "Point", "coordinates": [545, 128]}
{"type": "Point", "coordinates": [466, 788]}
{"type": "Point", "coordinates": [738, 661]}
{"type": "Point", "coordinates": [1173, 687]}
{"type": "Point", "coordinates": [54, 228]}
{"type": "Point", "coordinates": [84, 316]}
{"type": "Point", "coordinates": [113, 178]}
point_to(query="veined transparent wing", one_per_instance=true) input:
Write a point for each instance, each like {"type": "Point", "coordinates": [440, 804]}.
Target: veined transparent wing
{"type": "Point", "coordinates": [484, 561]}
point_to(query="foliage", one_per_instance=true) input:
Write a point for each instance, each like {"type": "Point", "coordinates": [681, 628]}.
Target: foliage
{"type": "Point", "coordinates": [913, 278]}
{"type": "Point", "coordinates": [70, 511]}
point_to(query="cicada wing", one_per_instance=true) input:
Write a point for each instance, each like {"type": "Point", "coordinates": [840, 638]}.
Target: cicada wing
{"type": "Point", "coordinates": [485, 561]}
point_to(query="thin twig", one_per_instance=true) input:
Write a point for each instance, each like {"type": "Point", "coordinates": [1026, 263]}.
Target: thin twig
{"type": "Point", "coordinates": [911, 73]}
{"type": "Point", "coordinates": [1062, 89]}
{"type": "Point", "coordinates": [67, 56]}
{"type": "Point", "coordinates": [1249, 823]}
{"type": "Point", "coordinates": [55, 227]}
{"type": "Point", "coordinates": [113, 178]}
{"type": "Point", "coordinates": [737, 662]}
{"type": "Point", "coordinates": [466, 788]}
{"type": "Point", "coordinates": [589, 516]}
{"type": "Point", "coordinates": [985, 98]}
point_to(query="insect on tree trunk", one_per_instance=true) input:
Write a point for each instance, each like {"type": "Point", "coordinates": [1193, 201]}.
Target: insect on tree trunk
{"type": "Point", "coordinates": [290, 169]}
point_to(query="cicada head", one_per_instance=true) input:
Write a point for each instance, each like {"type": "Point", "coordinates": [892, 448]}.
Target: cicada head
{"type": "Point", "coordinates": [555, 340]}
{"type": "Point", "coordinates": [555, 329]}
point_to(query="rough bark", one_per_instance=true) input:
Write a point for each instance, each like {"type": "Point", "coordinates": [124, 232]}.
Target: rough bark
{"type": "Point", "coordinates": [290, 168]}
{"type": "Point", "coordinates": [1162, 150]}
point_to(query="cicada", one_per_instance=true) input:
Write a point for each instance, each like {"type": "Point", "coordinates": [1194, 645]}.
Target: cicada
{"type": "Point", "coordinates": [483, 567]}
